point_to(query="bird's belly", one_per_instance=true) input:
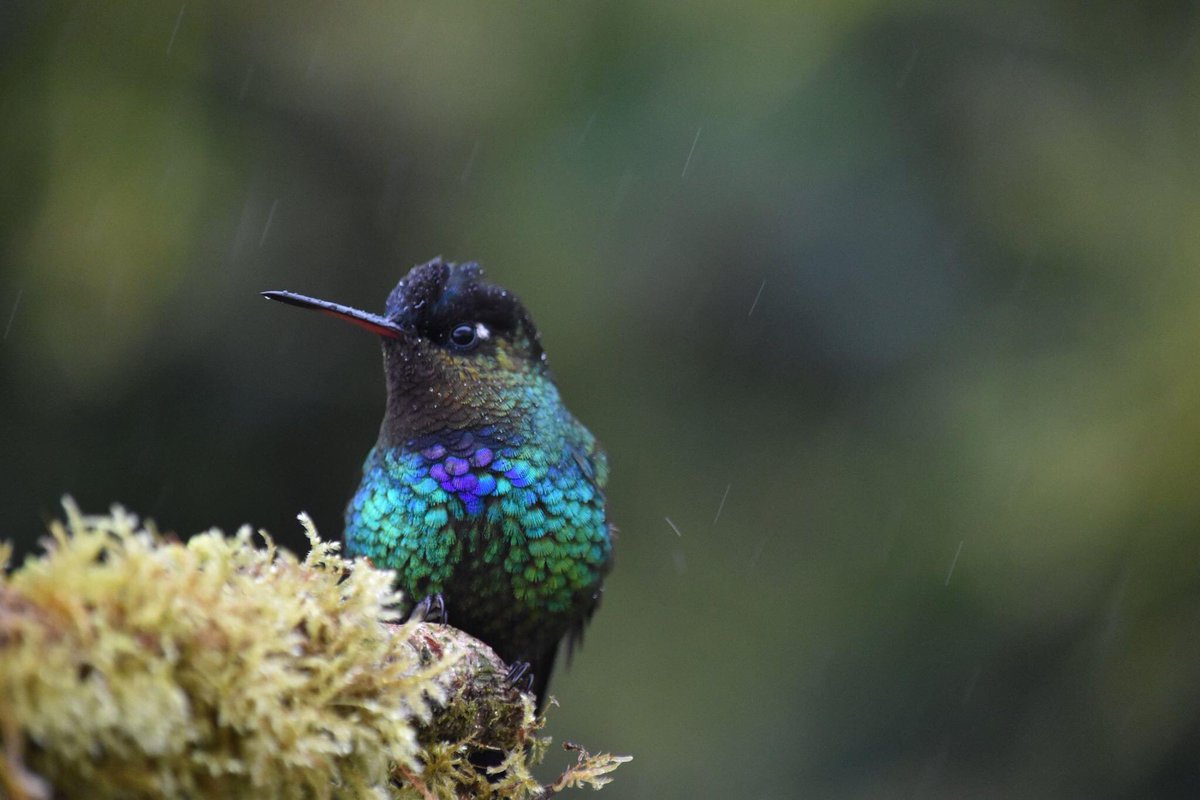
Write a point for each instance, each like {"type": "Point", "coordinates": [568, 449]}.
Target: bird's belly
{"type": "Point", "coordinates": [482, 603]}
{"type": "Point", "coordinates": [517, 566]}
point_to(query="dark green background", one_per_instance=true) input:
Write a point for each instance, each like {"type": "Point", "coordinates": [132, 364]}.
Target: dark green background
{"type": "Point", "coordinates": [960, 430]}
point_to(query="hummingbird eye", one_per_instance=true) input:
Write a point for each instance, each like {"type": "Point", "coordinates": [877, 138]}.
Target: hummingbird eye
{"type": "Point", "coordinates": [466, 335]}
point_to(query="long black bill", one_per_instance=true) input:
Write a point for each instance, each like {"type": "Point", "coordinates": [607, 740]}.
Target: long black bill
{"type": "Point", "coordinates": [363, 319]}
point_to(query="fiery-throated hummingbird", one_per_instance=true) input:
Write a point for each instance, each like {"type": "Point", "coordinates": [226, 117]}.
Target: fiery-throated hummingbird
{"type": "Point", "coordinates": [482, 487]}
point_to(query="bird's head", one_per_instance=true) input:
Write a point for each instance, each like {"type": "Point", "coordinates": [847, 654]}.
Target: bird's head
{"type": "Point", "coordinates": [459, 352]}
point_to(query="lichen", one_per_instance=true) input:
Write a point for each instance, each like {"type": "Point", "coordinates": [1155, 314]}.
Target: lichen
{"type": "Point", "coordinates": [134, 665]}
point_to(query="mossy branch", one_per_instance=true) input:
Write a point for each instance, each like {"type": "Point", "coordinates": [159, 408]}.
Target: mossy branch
{"type": "Point", "coordinates": [134, 665]}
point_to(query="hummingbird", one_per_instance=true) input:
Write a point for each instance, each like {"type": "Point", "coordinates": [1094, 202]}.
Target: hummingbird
{"type": "Point", "coordinates": [483, 492]}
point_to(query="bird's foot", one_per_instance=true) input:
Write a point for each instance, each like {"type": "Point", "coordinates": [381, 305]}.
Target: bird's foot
{"type": "Point", "coordinates": [519, 676]}
{"type": "Point", "coordinates": [431, 609]}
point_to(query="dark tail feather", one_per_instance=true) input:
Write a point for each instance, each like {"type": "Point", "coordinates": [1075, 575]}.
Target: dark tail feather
{"type": "Point", "coordinates": [542, 667]}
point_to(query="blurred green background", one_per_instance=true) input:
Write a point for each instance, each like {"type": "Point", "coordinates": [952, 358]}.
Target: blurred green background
{"type": "Point", "coordinates": [891, 308]}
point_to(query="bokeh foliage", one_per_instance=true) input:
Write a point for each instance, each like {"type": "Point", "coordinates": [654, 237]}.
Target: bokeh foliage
{"type": "Point", "coordinates": [959, 429]}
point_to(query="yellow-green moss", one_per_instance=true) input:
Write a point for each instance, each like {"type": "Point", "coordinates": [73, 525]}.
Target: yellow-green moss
{"type": "Point", "coordinates": [132, 665]}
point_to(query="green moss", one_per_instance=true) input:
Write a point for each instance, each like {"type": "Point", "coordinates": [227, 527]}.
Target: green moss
{"type": "Point", "coordinates": [132, 665]}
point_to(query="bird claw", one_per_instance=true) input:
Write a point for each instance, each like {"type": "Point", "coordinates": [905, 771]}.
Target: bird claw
{"type": "Point", "coordinates": [519, 676]}
{"type": "Point", "coordinates": [431, 609]}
